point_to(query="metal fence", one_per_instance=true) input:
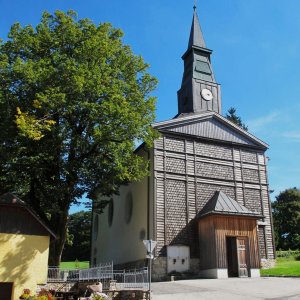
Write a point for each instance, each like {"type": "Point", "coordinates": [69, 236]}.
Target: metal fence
{"type": "Point", "coordinates": [104, 273]}
{"type": "Point", "coordinates": [58, 275]}
{"type": "Point", "coordinates": [131, 279]}
{"type": "Point", "coordinates": [66, 275]}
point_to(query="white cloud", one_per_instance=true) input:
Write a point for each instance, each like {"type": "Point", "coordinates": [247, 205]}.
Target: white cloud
{"type": "Point", "coordinates": [292, 135]}
{"type": "Point", "coordinates": [260, 123]}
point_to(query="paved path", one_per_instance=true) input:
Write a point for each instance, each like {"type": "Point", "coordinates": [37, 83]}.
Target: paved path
{"type": "Point", "coordinates": [232, 289]}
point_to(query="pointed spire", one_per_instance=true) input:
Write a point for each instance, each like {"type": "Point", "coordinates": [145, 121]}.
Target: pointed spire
{"type": "Point", "coordinates": [198, 77]}
{"type": "Point", "coordinates": [196, 36]}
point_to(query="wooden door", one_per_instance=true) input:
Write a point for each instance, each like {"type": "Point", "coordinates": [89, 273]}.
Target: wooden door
{"type": "Point", "coordinates": [243, 259]}
{"type": "Point", "coordinates": [6, 289]}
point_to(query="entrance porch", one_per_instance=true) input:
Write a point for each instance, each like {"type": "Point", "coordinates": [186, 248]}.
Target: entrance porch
{"type": "Point", "coordinates": [228, 239]}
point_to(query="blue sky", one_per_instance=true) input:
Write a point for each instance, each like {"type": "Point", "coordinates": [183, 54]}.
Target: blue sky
{"type": "Point", "coordinates": [256, 58]}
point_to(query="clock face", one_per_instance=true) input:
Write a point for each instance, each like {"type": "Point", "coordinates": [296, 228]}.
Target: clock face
{"type": "Point", "coordinates": [206, 94]}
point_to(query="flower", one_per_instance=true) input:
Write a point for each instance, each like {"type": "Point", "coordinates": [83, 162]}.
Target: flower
{"type": "Point", "coordinates": [44, 295]}
{"type": "Point", "coordinates": [25, 294]}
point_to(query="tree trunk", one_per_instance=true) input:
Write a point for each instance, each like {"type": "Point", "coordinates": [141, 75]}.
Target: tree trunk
{"type": "Point", "coordinates": [59, 223]}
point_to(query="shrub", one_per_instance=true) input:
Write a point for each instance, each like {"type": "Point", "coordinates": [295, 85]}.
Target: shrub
{"type": "Point", "coordinates": [287, 253]}
{"type": "Point", "coordinates": [99, 297]}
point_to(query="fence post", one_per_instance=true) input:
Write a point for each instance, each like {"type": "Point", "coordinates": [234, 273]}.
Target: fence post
{"type": "Point", "coordinates": [124, 278]}
{"type": "Point", "coordinates": [149, 275]}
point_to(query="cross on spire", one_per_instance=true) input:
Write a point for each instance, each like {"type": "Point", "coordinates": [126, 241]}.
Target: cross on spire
{"type": "Point", "coordinates": [196, 37]}
{"type": "Point", "coordinates": [195, 5]}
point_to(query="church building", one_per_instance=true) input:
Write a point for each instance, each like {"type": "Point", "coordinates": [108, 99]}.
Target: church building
{"type": "Point", "coordinates": [206, 201]}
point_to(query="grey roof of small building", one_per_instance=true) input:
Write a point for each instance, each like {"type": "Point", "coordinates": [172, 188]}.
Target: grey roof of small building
{"type": "Point", "coordinates": [12, 200]}
{"type": "Point", "coordinates": [222, 204]}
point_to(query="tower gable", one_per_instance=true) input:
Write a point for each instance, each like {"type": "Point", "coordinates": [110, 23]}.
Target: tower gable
{"type": "Point", "coordinates": [211, 126]}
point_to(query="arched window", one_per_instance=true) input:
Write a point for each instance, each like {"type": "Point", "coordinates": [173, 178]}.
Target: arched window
{"type": "Point", "coordinates": [96, 227]}
{"type": "Point", "coordinates": [128, 208]}
{"type": "Point", "coordinates": [110, 212]}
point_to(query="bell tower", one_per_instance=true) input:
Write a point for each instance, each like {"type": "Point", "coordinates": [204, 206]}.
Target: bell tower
{"type": "Point", "coordinates": [199, 90]}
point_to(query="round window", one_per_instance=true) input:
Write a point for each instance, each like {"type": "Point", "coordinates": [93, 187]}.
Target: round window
{"type": "Point", "coordinates": [128, 207]}
{"type": "Point", "coordinates": [110, 212]}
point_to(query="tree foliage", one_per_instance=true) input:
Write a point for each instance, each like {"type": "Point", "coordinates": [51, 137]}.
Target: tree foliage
{"type": "Point", "coordinates": [286, 218]}
{"type": "Point", "coordinates": [79, 231]}
{"type": "Point", "coordinates": [73, 101]}
{"type": "Point", "coordinates": [233, 117]}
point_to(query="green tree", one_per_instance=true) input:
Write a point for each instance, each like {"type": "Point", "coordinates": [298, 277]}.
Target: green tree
{"type": "Point", "coordinates": [286, 218]}
{"type": "Point", "coordinates": [73, 102]}
{"type": "Point", "coordinates": [79, 230]}
{"type": "Point", "coordinates": [233, 117]}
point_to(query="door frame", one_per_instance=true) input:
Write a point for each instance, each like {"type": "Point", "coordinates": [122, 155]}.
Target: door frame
{"type": "Point", "coordinates": [237, 256]}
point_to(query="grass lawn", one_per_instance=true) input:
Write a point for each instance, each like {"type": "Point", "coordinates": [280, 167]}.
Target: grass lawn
{"type": "Point", "coordinates": [74, 264]}
{"type": "Point", "coordinates": [287, 266]}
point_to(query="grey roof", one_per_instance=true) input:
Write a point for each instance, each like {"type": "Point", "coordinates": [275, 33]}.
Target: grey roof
{"type": "Point", "coordinates": [196, 36]}
{"type": "Point", "coordinates": [12, 200]}
{"type": "Point", "coordinates": [210, 125]}
{"type": "Point", "coordinates": [220, 203]}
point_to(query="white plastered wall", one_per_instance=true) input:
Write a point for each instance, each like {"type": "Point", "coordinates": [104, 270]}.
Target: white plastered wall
{"type": "Point", "coordinates": [122, 242]}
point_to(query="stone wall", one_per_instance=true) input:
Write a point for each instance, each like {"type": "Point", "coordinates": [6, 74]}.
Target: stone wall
{"type": "Point", "coordinates": [159, 269]}
{"type": "Point", "coordinates": [268, 263]}
{"type": "Point", "coordinates": [160, 272]}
